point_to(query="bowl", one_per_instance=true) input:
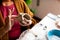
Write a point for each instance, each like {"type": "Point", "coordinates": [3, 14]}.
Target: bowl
{"type": "Point", "coordinates": [53, 34]}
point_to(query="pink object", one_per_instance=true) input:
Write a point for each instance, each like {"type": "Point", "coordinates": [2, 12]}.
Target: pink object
{"type": "Point", "coordinates": [16, 28]}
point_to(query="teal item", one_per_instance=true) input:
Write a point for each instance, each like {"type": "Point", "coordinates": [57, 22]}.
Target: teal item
{"type": "Point", "coordinates": [52, 33]}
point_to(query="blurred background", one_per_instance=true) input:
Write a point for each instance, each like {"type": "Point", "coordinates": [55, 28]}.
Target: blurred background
{"type": "Point", "coordinates": [43, 7]}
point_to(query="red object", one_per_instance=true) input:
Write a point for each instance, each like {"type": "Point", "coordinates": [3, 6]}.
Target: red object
{"type": "Point", "coordinates": [16, 28]}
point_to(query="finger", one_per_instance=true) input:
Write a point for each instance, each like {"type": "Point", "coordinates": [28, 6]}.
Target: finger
{"type": "Point", "coordinates": [14, 16]}
{"type": "Point", "coordinates": [26, 21]}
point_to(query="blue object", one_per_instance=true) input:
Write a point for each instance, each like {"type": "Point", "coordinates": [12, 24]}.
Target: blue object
{"type": "Point", "coordinates": [53, 33]}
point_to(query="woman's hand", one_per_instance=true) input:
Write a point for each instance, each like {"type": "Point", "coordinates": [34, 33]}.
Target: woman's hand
{"type": "Point", "coordinates": [24, 19]}
{"type": "Point", "coordinates": [7, 21]}
{"type": "Point", "coordinates": [12, 20]}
